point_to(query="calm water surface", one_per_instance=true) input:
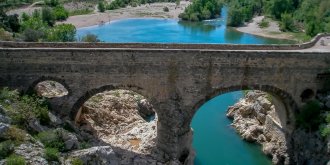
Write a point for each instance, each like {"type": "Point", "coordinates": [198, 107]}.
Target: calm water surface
{"type": "Point", "coordinates": [173, 31]}
{"type": "Point", "coordinates": [215, 142]}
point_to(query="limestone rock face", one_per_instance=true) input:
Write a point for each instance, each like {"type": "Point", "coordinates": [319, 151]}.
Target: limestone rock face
{"type": "Point", "coordinates": [120, 119]}
{"type": "Point", "coordinates": [33, 153]}
{"type": "Point", "coordinates": [50, 89]}
{"type": "Point", "coordinates": [100, 155]}
{"type": "Point", "coordinates": [252, 118]}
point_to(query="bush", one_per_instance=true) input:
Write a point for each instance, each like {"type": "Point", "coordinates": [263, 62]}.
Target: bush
{"type": "Point", "coordinates": [5, 36]}
{"type": "Point", "coordinates": [34, 29]}
{"type": "Point", "coordinates": [165, 9]}
{"type": "Point", "coordinates": [15, 160]}
{"type": "Point", "coordinates": [90, 38]}
{"type": "Point", "coordinates": [51, 154]}
{"type": "Point", "coordinates": [60, 13]}
{"type": "Point", "coordinates": [325, 130]}
{"type": "Point", "coordinates": [48, 16]}
{"type": "Point", "coordinates": [6, 148]}
{"type": "Point", "coordinates": [286, 23]}
{"type": "Point", "coordinates": [51, 139]}
{"type": "Point", "coordinates": [29, 108]}
{"type": "Point", "coordinates": [62, 33]}
{"type": "Point", "coordinates": [15, 134]}
{"type": "Point", "coordinates": [101, 7]}
{"type": "Point", "coordinates": [52, 3]}
{"type": "Point", "coordinates": [235, 17]}
{"type": "Point", "coordinates": [7, 94]}
{"type": "Point", "coordinates": [264, 23]}
{"type": "Point", "coordinates": [76, 161]}
{"type": "Point", "coordinates": [309, 116]}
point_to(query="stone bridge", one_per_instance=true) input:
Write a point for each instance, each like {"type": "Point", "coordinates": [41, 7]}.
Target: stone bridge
{"type": "Point", "coordinates": [176, 78]}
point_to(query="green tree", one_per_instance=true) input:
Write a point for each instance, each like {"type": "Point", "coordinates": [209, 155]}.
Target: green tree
{"type": "Point", "coordinates": [101, 7]}
{"type": "Point", "coordinates": [25, 17]}
{"type": "Point", "coordinates": [62, 33]}
{"type": "Point", "coordinates": [36, 14]}
{"type": "Point", "coordinates": [48, 16]}
{"type": "Point", "coordinates": [60, 13]}
{"type": "Point", "coordinates": [287, 23]}
{"type": "Point", "coordinates": [235, 17]}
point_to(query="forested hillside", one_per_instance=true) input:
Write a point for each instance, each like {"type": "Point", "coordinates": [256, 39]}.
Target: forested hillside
{"type": "Point", "coordinates": [309, 16]}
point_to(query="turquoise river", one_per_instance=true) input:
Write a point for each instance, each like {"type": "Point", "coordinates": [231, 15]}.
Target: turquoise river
{"type": "Point", "coordinates": [215, 141]}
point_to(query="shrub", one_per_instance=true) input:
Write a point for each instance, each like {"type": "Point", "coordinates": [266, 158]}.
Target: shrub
{"type": "Point", "coordinates": [309, 116]}
{"type": "Point", "coordinates": [62, 33]}
{"type": "Point", "coordinates": [5, 36]}
{"type": "Point", "coordinates": [51, 139]}
{"type": "Point", "coordinates": [15, 134]}
{"type": "Point", "coordinates": [24, 109]}
{"type": "Point", "coordinates": [264, 23]}
{"type": "Point", "coordinates": [6, 94]}
{"type": "Point", "coordinates": [52, 3]}
{"type": "Point", "coordinates": [90, 38]}
{"type": "Point", "coordinates": [84, 145]}
{"type": "Point", "coordinates": [48, 16]}
{"type": "Point", "coordinates": [60, 13]}
{"type": "Point", "coordinates": [15, 160]}
{"type": "Point", "coordinates": [51, 154]}
{"type": "Point", "coordinates": [101, 7]}
{"type": "Point", "coordinates": [286, 23]}
{"type": "Point", "coordinates": [325, 130]}
{"type": "Point", "coordinates": [6, 148]}
{"type": "Point", "coordinates": [165, 9]}
{"type": "Point", "coordinates": [76, 161]}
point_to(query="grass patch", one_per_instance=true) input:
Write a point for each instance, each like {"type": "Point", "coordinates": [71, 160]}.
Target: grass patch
{"type": "Point", "coordinates": [51, 139]}
{"type": "Point", "coordinates": [51, 154]}
{"type": "Point", "coordinates": [76, 161]}
{"type": "Point", "coordinates": [15, 160]}
{"type": "Point", "coordinates": [6, 148]}
{"type": "Point", "coordinates": [15, 134]}
{"type": "Point", "coordinates": [80, 12]}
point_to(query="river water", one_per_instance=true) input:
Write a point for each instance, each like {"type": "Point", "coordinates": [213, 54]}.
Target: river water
{"type": "Point", "coordinates": [215, 141]}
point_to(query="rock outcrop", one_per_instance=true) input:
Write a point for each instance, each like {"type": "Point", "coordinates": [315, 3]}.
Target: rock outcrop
{"type": "Point", "coordinates": [254, 119]}
{"type": "Point", "coordinates": [125, 121]}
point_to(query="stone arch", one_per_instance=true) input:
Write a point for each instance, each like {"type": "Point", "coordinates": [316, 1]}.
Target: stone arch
{"type": "Point", "coordinates": [290, 105]}
{"type": "Point", "coordinates": [90, 93]}
{"type": "Point", "coordinates": [47, 78]}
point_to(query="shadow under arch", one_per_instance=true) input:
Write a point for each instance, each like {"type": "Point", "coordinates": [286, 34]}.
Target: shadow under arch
{"type": "Point", "coordinates": [290, 105]}
{"type": "Point", "coordinates": [90, 93]}
{"type": "Point", "coordinates": [48, 78]}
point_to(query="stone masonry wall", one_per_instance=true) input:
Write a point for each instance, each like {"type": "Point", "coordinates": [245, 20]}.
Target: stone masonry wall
{"type": "Point", "coordinates": [176, 81]}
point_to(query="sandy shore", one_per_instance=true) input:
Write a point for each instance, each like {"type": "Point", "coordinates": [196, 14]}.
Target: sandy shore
{"type": "Point", "coordinates": [152, 10]}
{"type": "Point", "coordinates": [273, 31]}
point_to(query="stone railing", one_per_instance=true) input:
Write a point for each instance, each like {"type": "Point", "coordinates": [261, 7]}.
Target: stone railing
{"type": "Point", "coordinates": [8, 44]}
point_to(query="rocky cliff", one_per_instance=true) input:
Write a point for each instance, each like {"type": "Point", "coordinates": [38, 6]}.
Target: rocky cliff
{"type": "Point", "coordinates": [256, 120]}
{"type": "Point", "coordinates": [115, 127]}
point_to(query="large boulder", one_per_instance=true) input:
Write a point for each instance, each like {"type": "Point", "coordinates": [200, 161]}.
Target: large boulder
{"type": "Point", "coordinates": [100, 155]}
{"type": "Point", "coordinates": [70, 140]}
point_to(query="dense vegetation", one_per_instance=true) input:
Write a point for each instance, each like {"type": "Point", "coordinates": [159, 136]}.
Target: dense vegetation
{"type": "Point", "coordinates": [26, 120]}
{"type": "Point", "coordinates": [202, 10]}
{"type": "Point", "coordinates": [309, 16]}
{"type": "Point", "coordinates": [123, 3]}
